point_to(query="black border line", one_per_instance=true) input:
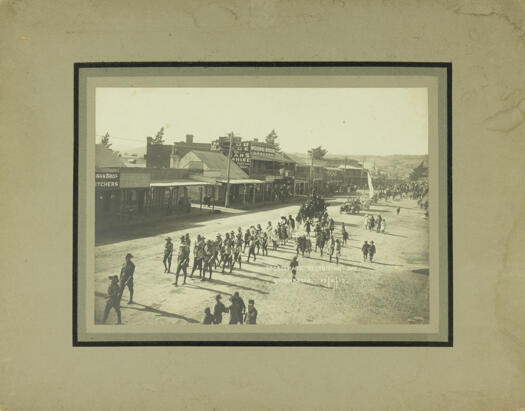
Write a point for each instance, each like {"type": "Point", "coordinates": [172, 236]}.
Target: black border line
{"type": "Point", "coordinates": [78, 66]}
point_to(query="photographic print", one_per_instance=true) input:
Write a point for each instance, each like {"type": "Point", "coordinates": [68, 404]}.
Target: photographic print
{"type": "Point", "coordinates": [263, 204]}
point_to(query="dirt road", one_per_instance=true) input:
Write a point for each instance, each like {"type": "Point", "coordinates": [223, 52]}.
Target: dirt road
{"type": "Point", "coordinates": [391, 290]}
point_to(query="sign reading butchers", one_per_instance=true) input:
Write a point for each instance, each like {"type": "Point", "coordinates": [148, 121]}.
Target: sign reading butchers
{"type": "Point", "coordinates": [107, 178]}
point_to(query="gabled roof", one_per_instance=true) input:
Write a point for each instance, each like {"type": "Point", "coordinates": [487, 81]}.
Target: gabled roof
{"type": "Point", "coordinates": [215, 160]}
{"type": "Point", "coordinates": [104, 157]}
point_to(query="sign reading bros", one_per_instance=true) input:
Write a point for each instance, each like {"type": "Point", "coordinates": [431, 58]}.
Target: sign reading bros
{"type": "Point", "coordinates": [109, 178]}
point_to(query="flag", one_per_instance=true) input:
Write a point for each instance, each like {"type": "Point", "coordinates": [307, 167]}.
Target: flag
{"type": "Point", "coordinates": [370, 186]}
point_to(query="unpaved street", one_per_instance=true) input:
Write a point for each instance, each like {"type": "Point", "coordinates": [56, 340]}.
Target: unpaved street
{"type": "Point", "coordinates": [391, 290]}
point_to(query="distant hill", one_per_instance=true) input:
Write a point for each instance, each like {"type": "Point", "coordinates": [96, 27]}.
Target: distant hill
{"type": "Point", "coordinates": [397, 166]}
{"type": "Point", "coordinates": [139, 151]}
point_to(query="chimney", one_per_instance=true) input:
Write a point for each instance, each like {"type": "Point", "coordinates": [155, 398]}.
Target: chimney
{"type": "Point", "coordinates": [149, 140]}
{"type": "Point", "coordinates": [189, 138]}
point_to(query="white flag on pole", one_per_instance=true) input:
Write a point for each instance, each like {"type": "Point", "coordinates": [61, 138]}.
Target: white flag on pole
{"type": "Point", "coordinates": [370, 186]}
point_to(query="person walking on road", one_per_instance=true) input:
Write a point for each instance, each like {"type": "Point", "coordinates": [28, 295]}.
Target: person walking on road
{"type": "Point", "coordinates": [247, 237]}
{"type": "Point", "coordinates": [183, 261]}
{"type": "Point", "coordinates": [398, 210]}
{"type": "Point", "coordinates": [251, 314]}
{"type": "Point", "coordinates": [293, 266]}
{"type": "Point", "coordinates": [379, 220]}
{"type": "Point", "coordinates": [251, 250]}
{"type": "Point", "coordinates": [208, 317]}
{"type": "Point", "coordinates": [371, 251]}
{"type": "Point", "coordinates": [218, 310]}
{"type": "Point", "coordinates": [207, 259]}
{"type": "Point", "coordinates": [337, 251]}
{"type": "Point", "coordinates": [113, 299]}
{"type": "Point", "coordinates": [332, 248]}
{"type": "Point", "coordinates": [345, 234]}
{"type": "Point", "coordinates": [198, 254]}
{"type": "Point", "coordinates": [237, 309]}
{"type": "Point", "coordinates": [126, 277]}
{"type": "Point", "coordinates": [168, 253]}
{"type": "Point", "coordinates": [364, 249]}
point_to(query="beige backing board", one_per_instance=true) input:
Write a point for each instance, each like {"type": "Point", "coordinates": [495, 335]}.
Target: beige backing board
{"type": "Point", "coordinates": [41, 370]}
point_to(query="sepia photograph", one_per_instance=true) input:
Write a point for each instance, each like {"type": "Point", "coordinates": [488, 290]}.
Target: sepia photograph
{"type": "Point", "coordinates": [241, 207]}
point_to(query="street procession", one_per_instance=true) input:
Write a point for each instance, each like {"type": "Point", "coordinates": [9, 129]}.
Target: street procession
{"type": "Point", "coordinates": [262, 206]}
{"type": "Point", "coordinates": [310, 233]}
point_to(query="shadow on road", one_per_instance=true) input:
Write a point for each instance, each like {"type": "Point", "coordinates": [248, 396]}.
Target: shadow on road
{"type": "Point", "coordinates": [316, 285]}
{"type": "Point", "coordinates": [251, 278]}
{"type": "Point", "coordinates": [241, 287]}
{"type": "Point", "coordinates": [423, 271]}
{"type": "Point", "coordinates": [392, 265]}
{"type": "Point", "coordinates": [162, 313]}
{"type": "Point", "coordinates": [200, 287]}
{"type": "Point", "coordinates": [396, 235]}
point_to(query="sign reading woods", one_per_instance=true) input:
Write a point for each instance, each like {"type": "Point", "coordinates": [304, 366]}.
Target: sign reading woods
{"type": "Point", "coordinates": [109, 178]}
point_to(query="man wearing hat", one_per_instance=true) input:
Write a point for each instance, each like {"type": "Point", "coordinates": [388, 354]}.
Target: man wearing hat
{"type": "Point", "coordinates": [126, 277]}
{"type": "Point", "coordinates": [371, 251]}
{"type": "Point", "coordinates": [218, 310]}
{"type": "Point", "coordinates": [113, 298]}
{"type": "Point", "coordinates": [183, 260]}
{"type": "Point", "coordinates": [251, 314]}
{"type": "Point", "coordinates": [168, 253]}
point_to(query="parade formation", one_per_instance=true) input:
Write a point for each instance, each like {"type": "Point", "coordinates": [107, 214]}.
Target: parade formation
{"type": "Point", "coordinates": [311, 234]}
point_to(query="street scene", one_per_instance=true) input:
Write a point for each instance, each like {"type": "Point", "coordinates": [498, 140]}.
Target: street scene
{"type": "Point", "coordinates": [233, 230]}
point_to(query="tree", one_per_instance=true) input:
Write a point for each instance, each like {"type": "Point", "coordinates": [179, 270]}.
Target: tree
{"type": "Point", "coordinates": [159, 137]}
{"type": "Point", "coordinates": [419, 172]}
{"type": "Point", "coordinates": [317, 153]}
{"type": "Point", "coordinates": [270, 139]}
{"type": "Point", "coordinates": [105, 141]}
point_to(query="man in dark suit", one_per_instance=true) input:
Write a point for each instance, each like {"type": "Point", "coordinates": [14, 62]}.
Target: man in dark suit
{"type": "Point", "coordinates": [126, 277]}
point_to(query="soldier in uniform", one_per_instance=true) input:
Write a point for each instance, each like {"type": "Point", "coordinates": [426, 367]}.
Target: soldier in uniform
{"type": "Point", "coordinates": [237, 251]}
{"type": "Point", "coordinates": [168, 253]}
{"type": "Point", "coordinates": [218, 310]}
{"type": "Point", "coordinates": [227, 255]}
{"type": "Point", "coordinates": [345, 234]}
{"type": "Point", "coordinates": [337, 250]}
{"type": "Point", "coordinates": [126, 277]}
{"type": "Point", "coordinates": [293, 266]}
{"type": "Point", "coordinates": [208, 258]}
{"type": "Point", "coordinates": [251, 314]}
{"type": "Point", "coordinates": [198, 252]}
{"type": "Point", "coordinates": [183, 260]}
{"type": "Point", "coordinates": [332, 248]}
{"type": "Point", "coordinates": [251, 249]}
{"type": "Point", "coordinates": [364, 249]}
{"type": "Point", "coordinates": [264, 244]}
{"type": "Point", "coordinates": [247, 237]}
{"type": "Point", "coordinates": [113, 298]}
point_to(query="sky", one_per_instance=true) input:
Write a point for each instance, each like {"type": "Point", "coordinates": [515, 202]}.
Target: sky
{"type": "Point", "coordinates": [353, 121]}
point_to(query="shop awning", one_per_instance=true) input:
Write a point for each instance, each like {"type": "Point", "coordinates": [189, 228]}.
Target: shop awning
{"type": "Point", "coordinates": [177, 183]}
{"type": "Point", "coordinates": [242, 181]}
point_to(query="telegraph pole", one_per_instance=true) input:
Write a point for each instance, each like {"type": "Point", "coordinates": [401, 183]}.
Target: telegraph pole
{"type": "Point", "coordinates": [312, 175]}
{"type": "Point", "coordinates": [227, 198]}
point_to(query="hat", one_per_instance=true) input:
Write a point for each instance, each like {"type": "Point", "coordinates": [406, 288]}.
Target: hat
{"type": "Point", "coordinates": [371, 242]}
{"type": "Point", "coordinates": [251, 302]}
{"type": "Point", "coordinates": [111, 277]}
{"type": "Point", "coordinates": [128, 255]}
{"type": "Point", "coordinates": [168, 238]}
{"type": "Point", "coordinates": [218, 297]}
{"type": "Point", "coordinates": [182, 238]}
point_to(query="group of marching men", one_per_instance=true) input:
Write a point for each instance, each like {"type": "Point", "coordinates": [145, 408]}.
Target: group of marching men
{"type": "Point", "coordinates": [226, 251]}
